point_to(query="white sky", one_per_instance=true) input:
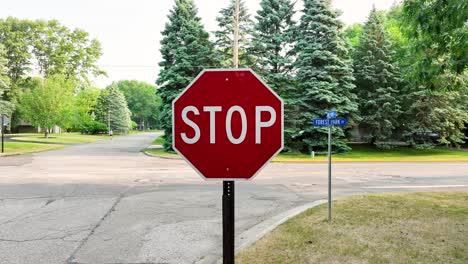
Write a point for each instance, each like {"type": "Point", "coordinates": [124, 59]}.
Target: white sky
{"type": "Point", "coordinates": [129, 31]}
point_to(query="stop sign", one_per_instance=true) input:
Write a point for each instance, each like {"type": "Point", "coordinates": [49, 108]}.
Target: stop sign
{"type": "Point", "coordinates": [227, 124]}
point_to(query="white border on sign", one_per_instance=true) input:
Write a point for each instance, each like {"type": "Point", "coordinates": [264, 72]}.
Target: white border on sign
{"type": "Point", "coordinates": [282, 125]}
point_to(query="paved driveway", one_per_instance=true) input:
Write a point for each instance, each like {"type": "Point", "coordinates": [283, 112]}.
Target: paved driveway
{"type": "Point", "coordinates": [106, 202]}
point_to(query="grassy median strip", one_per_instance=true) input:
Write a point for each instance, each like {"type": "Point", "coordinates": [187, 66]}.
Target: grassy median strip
{"type": "Point", "coordinates": [383, 228]}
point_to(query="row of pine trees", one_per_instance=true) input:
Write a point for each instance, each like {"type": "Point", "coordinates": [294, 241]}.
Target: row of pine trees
{"type": "Point", "coordinates": [307, 62]}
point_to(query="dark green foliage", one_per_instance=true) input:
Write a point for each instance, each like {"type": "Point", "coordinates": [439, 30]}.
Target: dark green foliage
{"type": "Point", "coordinates": [142, 102]}
{"type": "Point", "coordinates": [377, 80]}
{"type": "Point", "coordinates": [436, 92]}
{"type": "Point", "coordinates": [324, 77]}
{"type": "Point", "coordinates": [272, 41]}
{"type": "Point", "coordinates": [441, 34]}
{"type": "Point", "coordinates": [186, 51]}
{"type": "Point", "coordinates": [93, 127]}
{"type": "Point", "coordinates": [225, 36]}
{"type": "Point", "coordinates": [112, 108]}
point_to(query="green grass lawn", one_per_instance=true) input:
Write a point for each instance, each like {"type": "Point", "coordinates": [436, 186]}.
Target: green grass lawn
{"type": "Point", "coordinates": [380, 228]}
{"type": "Point", "coordinates": [12, 148]}
{"type": "Point", "coordinates": [34, 142]}
{"type": "Point", "coordinates": [59, 138]}
{"type": "Point", "coordinates": [159, 140]}
{"type": "Point", "coordinates": [361, 153]}
{"type": "Point", "coordinates": [368, 153]}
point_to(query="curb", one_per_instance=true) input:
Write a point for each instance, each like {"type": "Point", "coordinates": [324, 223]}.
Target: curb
{"type": "Point", "coordinates": [10, 155]}
{"type": "Point", "coordinates": [253, 234]}
{"type": "Point", "coordinates": [159, 156]}
{"type": "Point", "coordinates": [250, 236]}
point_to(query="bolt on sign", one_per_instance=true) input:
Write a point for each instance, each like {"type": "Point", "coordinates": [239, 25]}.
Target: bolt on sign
{"type": "Point", "coordinates": [227, 124]}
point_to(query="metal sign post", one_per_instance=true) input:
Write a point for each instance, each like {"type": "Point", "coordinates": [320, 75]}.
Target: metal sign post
{"type": "Point", "coordinates": [3, 131]}
{"type": "Point", "coordinates": [228, 222]}
{"type": "Point", "coordinates": [330, 121]}
{"type": "Point", "coordinates": [329, 173]}
{"type": "Point", "coordinates": [228, 186]}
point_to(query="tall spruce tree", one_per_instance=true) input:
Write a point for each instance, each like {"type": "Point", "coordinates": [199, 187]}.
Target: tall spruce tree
{"type": "Point", "coordinates": [324, 76]}
{"type": "Point", "coordinates": [186, 50]}
{"type": "Point", "coordinates": [272, 43]}
{"type": "Point", "coordinates": [111, 107]}
{"type": "Point", "coordinates": [377, 80]}
{"type": "Point", "coordinates": [225, 36]}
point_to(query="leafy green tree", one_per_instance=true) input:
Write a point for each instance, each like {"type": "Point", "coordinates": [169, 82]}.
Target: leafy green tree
{"type": "Point", "coordinates": [186, 50]}
{"type": "Point", "coordinates": [324, 76]}
{"type": "Point", "coordinates": [85, 106]}
{"type": "Point", "coordinates": [272, 41]}
{"type": "Point", "coordinates": [59, 50]}
{"type": "Point", "coordinates": [436, 73]}
{"type": "Point", "coordinates": [6, 107]}
{"type": "Point", "coordinates": [352, 34]}
{"type": "Point", "coordinates": [440, 31]}
{"type": "Point", "coordinates": [111, 108]}
{"type": "Point", "coordinates": [142, 101]}
{"type": "Point", "coordinates": [49, 104]}
{"type": "Point", "coordinates": [52, 47]}
{"type": "Point", "coordinates": [377, 80]}
{"type": "Point", "coordinates": [225, 36]}
{"type": "Point", "coordinates": [16, 37]}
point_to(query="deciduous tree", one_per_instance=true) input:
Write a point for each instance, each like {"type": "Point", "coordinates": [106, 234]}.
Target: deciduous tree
{"type": "Point", "coordinates": [142, 102]}
{"type": "Point", "coordinates": [6, 108]}
{"type": "Point", "coordinates": [49, 104]}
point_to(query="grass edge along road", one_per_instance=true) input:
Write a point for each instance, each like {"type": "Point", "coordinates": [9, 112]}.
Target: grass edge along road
{"type": "Point", "coordinates": [26, 143]}
{"type": "Point", "coordinates": [376, 228]}
{"type": "Point", "coordinates": [20, 148]}
{"type": "Point", "coordinates": [360, 153]}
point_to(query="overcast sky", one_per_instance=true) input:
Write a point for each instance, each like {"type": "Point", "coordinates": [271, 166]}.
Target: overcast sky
{"type": "Point", "coordinates": [129, 30]}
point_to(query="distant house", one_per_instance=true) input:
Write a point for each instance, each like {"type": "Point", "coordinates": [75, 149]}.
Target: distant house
{"type": "Point", "coordinates": [25, 127]}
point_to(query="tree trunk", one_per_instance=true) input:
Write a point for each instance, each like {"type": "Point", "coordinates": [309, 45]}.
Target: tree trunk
{"type": "Point", "coordinates": [46, 133]}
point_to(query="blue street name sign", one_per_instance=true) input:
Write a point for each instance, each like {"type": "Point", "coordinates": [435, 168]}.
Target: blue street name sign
{"type": "Point", "coordinates": [330, 122]}
{"type": "Point", "coordinates": [331, 114]}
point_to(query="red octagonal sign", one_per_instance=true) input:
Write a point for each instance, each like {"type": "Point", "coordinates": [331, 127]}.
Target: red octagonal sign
{"type": "Point", "coordinates": [227, 124]}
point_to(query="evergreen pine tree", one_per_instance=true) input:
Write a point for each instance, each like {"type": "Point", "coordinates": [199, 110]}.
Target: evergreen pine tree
{"type": "Point", "coordinates": [376, 80]}
{"type": "Point", "coordinates": [324, 76]}
{"type": "Point", "coordinates": [186, 51]}
{"type": "Point", "coordinates": [225, 36]}
{"type": "Point", "coordinates": [272, 40]}
{"type": "Point", "coordinates": [112, 107]}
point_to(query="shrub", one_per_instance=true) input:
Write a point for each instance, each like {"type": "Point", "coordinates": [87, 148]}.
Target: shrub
{"type": "Point", "coordinates": [386, 145]}
{"type": "Point", "coordinates": [93, 127]}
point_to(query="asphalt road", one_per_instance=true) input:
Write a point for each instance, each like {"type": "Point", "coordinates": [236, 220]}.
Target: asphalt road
{"type": "Point", "coordinates": [106, 202]}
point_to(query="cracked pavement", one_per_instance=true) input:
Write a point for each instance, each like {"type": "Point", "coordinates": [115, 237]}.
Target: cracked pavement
{"type": "Point", "coordinates": [106, 202]}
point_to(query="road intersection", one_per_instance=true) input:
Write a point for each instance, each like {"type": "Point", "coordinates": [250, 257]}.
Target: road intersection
{"type": "Point", "coordinates": [106, 202]}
